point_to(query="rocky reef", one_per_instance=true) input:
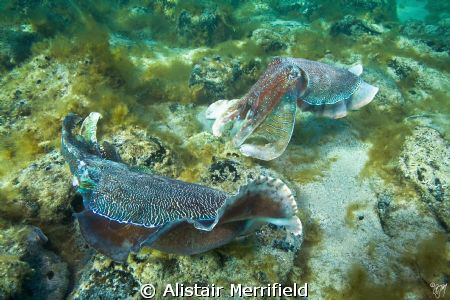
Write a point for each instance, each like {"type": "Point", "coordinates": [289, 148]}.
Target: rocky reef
{"type": "Point", "coordinates": [372, 189]}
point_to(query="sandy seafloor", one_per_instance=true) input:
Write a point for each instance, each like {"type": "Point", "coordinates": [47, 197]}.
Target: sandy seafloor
{"type": "Point", "coordinates": [372, 188]}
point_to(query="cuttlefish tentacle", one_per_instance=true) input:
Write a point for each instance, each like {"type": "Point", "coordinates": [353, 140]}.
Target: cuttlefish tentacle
{"type": "Point", "coordinates": [125, 210]}
{"type": "Point", "coordinates": [317, 87]}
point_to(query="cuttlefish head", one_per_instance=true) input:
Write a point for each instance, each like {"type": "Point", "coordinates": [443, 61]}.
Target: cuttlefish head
{"type": "Point", "coordinates": [280, 81]}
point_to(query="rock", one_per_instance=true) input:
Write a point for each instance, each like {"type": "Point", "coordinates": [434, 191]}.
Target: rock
{"type": "Point", "coordinates": [50, 276]}
{"type": "Point", "coordinates": [398, 219]}
{"type": "Point", "coordinates": [269, 40]}
{"type": "Point", "coordinates": [352, 26]}
{"type": "Point", "coordinates": [105, 280]}
{"type": "Point", "coordinates": [29, 270]}
{"type": "Point", "coordinates": [224, 170]}
{"type": "Point", "coordinates": [206, 28]}
{"type": "Point", "coordinates": [41, 191]}
{"type": "Point", "coordinates": [220, 77]}
{"type": "Point", "coordinates": [15, 47]}
{"type": "Point", "coordinates": [425, 161]}
{"type": "Point", "coordinates": [263, 258]}
{"type": "Point", "coordinates": [136, 148]}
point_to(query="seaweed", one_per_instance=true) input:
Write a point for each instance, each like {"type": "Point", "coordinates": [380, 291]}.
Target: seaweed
{"type": "Point", "coordinates": [352, 208]}
{"type": "Point", "coordinates": [312, 239]}
{"type": "Point", "coordinates": [167, 81]}
{"type": "Point", "coordinates": [426, 260]}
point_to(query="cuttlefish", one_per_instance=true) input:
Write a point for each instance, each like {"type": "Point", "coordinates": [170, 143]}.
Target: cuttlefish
{"type": "Point", "coordinates": [125, 209]}
{"type": "Point", "coordinates": [263, 120]}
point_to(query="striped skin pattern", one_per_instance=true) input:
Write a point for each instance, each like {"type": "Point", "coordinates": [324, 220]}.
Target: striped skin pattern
{"type": "Point", "coordinates": [125, 210]}
{"type": "Point", "coordinates": [317, 87]}
{"type": "Point", "coordinates": [171, 200]}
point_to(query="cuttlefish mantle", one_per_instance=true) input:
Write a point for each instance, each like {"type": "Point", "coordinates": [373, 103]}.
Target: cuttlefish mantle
{"type": "Point", "coordinates": [263, 120]}
{"type": "Point", "coordinates": [125, 210]}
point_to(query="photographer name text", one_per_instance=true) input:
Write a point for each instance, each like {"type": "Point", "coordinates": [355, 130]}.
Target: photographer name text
{"type": "Point", "coordinates": [270, 290]}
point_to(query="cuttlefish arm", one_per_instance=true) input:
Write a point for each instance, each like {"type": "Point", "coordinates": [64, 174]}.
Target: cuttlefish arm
{"type": "Point", "coordinates": [125, 210]}
{"type": "Point", "coordinates": [266, 114]}
{"type": "Point", "coordinates": [262, 121]}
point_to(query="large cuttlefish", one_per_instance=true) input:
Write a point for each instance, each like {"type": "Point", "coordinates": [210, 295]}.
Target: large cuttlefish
{"type": "Point", "coordinates": [263, 120]}
{"type": "Point", "coordinates": [125, 209]}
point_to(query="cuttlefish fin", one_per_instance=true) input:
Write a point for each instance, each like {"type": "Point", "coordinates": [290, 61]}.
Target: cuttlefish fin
{"type": "Point", "coordinates": [110, 237]}
{"type": "Point", "coordinates": [335, 111]}
{"type": "Point", "coordinates": [271, 138]}
{"type": "Point", "coordinates": [264, 200]}
{"type": "Point", "coordinates": [356, 69]}
{"type": "Point", "coordinates": [362, 96]}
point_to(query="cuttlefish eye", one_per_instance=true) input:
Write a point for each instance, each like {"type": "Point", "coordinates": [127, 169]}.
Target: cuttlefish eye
{"type": "Point", "coordinates": [293, 73]}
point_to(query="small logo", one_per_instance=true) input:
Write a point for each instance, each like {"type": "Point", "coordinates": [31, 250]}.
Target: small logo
{"type": "Point", "coordinates": [438, 289]}
{"type": "Point", "coordinates": [148, 291]}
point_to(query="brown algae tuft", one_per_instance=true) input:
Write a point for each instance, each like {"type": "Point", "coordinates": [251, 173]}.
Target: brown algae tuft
{"type": "Point", "coordinates": [352, 208]}
{"type": "Point", "coordinates": [428, 261]}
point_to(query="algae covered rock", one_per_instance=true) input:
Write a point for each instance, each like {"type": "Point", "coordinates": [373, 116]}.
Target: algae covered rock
{"type": "Point", "coordinates": [38, 191]}
{"type": "Point", "coordinates": [206, 28]}
{"type": "Point", "coordinates": [15, 47]}
{"type": "Point", "coordinates": [137, 148]}
{"type": "Point", "coordinates": [425, 160]}
{"type": "Point", "coordinates": [12, 267]}
{"type": "Point", "coordinates": [352, 26]}
{"type": "Point", "coordinates": [257, 260]}
{"type": "Point", "coordinates": [29, 269]}
{"type": "Point", "coordinates": [302, 7]}
{"type": "Point", "coordinates": [269, 40]}
{"type": "Point", "coordinates": [103, 279]}
{"type": "Point", "coordinates": [222, 77]}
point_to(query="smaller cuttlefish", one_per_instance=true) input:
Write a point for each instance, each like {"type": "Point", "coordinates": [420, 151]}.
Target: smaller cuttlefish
{"type": "Point", "coordinates": [263, 120]}
{"type": "Point", "coordinates": [125, 209]}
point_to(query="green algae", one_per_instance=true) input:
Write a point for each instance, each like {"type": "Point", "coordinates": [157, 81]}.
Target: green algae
{"type": "Point", "coordinates": [313, 236]}
{"type": "Point", "coordinates": [428, 259]}
{"type": "Point", "coordinates": [386, 131]}
{"type": "Point", "coordinates": [246, 252]}
{"type": "Point", "coordinates": [10, 209]}
{"type": "Point", "coordinates": [18, 149]}
{"type": "Point", "coordinates": [311, 174]}
{"type": "Point", "coordinates": [360, 287]}
{"type": "Point", "coordinates": [371, 249]}
{"type": "Point", "coordinates": [13, 272]}
{"type": "Point", "coordinates": [111, 82]}
{"type": "Point", "coordinates": [167, 81]}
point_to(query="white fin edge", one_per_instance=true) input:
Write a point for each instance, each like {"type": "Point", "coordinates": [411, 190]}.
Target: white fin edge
{"type": "Point", "coordinates": [356, 69]}
{"type": "Point", "coordinates": [363, 95]}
